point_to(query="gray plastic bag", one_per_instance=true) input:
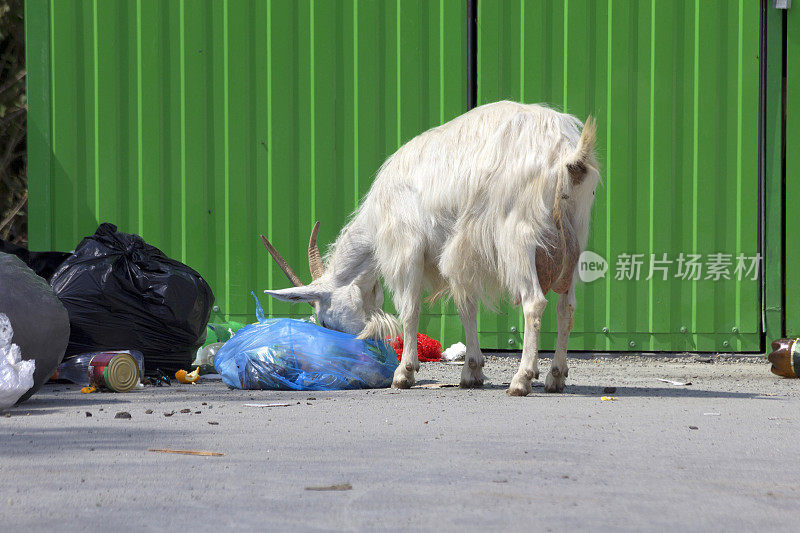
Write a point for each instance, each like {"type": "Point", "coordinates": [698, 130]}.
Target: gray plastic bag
{"type": "Point", "coordinates": [39, 320]}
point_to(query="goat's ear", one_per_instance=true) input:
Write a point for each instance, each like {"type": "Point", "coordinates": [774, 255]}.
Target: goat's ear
{"type": "Point", "coordinates": [305, 293]}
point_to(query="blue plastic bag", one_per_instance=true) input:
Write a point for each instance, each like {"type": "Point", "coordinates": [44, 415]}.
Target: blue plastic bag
{"type": "Point", "coordinates": [289, 354]}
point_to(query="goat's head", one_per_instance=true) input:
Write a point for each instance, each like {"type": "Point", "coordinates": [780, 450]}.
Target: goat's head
{"type": "Point", "coordinates": [351, 304]}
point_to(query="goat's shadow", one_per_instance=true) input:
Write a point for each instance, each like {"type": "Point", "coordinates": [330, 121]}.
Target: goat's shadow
{"type": "Point", "coordinates": [46, 441]}
{"type": "Point", "coordinates": [44, 403]}
{"type": "Point", "coordinates": [619, 392]}
{"type": "Point", "coordinates": [657, 392]}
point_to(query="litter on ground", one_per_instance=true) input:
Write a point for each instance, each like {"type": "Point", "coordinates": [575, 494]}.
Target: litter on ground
{"type": "Point", "coordinates": [340, 486]}
{"type": "Point", "coordinates": [186, 452]}
{"type": "Point", "coordinates": [428, 349]}
{"type": "Point", "coordinates": [16, 375]}
{"type": "Point", "coordinates": [291, 354]}
{"type": "Point", "coordinates": [673, 382]}
{"type": "Point", "coordinates": [455, 352]}
{"type": "Point", "coordinates": [188, 377]}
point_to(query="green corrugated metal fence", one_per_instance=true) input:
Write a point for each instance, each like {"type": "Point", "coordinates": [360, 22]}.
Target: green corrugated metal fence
{"type": "Point", "coordinates": [792, 195]}
{"type": "Point", "coordinates": [781, 170]}
{"type": "Point", "coordinates": [201, 124]}
{"type": "Point", "coordinates": [773, 219]}
{"type": "Point", "coordinates": [674, 85]}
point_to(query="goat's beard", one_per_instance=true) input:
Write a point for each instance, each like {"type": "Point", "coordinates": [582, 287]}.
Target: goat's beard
{"type": "Point", "coordinates": [380, 326]}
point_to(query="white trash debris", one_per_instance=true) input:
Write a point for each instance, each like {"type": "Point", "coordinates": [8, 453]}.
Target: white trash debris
{"type": "Point", "coordinates": [16, 376]}
{"type": "Point", "coordinates": [673, 382]}
{"type": "Point", "coordinates": [205, 354]}
{"type": "Point", "coordinates": [455, 352]}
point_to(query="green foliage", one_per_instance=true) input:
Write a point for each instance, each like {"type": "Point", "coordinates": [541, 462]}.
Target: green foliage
{"type": "Point", "coordinates": [13, 110]}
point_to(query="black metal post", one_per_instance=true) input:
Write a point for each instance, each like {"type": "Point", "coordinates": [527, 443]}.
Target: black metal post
{"type": "Point", "coordinates": [472, 53]}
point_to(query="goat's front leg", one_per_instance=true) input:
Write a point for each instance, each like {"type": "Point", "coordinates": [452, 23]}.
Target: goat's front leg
{"type": "Point", "coordinates": [558, 370]}
{"type": "Point", "coordinates": [407, 300]}
{"type": "Point", "coordinates": [533, 305]}
{"type": "Point", "coordinates": [472, 371]}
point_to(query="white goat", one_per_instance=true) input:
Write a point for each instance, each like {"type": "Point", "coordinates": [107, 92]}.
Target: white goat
{"type": "Point", "coordinates": [495, 202]}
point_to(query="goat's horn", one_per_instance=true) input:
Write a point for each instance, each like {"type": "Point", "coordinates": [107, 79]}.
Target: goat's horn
{"type": "Point", "coordinates": [282, 263]}
{"type": "Point", "coordinates": [314, 258]}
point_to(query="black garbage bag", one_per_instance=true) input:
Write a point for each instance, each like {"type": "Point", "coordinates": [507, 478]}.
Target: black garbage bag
{"type": "Point", "coordinates": [44, 264]}
{"type": "Point", "coordinates": [39, 320]}
{"type": "Point", "coordinates": [122, 293]}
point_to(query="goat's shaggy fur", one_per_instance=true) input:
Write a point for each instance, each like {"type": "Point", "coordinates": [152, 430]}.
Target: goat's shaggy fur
{"type": "Point", "coordinates": [462, 210]}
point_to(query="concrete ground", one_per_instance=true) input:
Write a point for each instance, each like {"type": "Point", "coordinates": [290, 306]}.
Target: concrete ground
{"type": "Point", "coordinates": [720, 454]}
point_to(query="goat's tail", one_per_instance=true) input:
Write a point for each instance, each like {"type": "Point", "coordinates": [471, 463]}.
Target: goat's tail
{"type": "Point", "coordinates": [574, 168]}
{"type": "Point", "coordinates": [579, 162]}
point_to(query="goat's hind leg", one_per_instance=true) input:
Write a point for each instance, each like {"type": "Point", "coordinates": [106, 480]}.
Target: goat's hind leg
{"type": "Point", "coordinates": [472, 371]}
{"type": "Point", "coordinates": [533, 305]}
{"type": "Point", "coordinates": [559, 371]}
{"type": "Point", "coordinates": [407, 300]}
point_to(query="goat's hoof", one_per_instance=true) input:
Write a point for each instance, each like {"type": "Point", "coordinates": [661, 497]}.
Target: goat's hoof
{"type": "Point", "coordinates": [402, 380]}
{"type": "Point", "coordinates": [471, 376]}
{"type": "Point", "coordinates": [472, 380]}
{"type": "Point", "coordinates": [402, 383]}
{"type": "Point", "coordinates": [555, 381]}
{"type": "Point", "coordinates": [519, 387]}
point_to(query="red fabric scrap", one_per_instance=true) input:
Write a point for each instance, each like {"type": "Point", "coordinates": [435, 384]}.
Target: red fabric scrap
{"type": "Point", "coordinates": [428, 349]}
